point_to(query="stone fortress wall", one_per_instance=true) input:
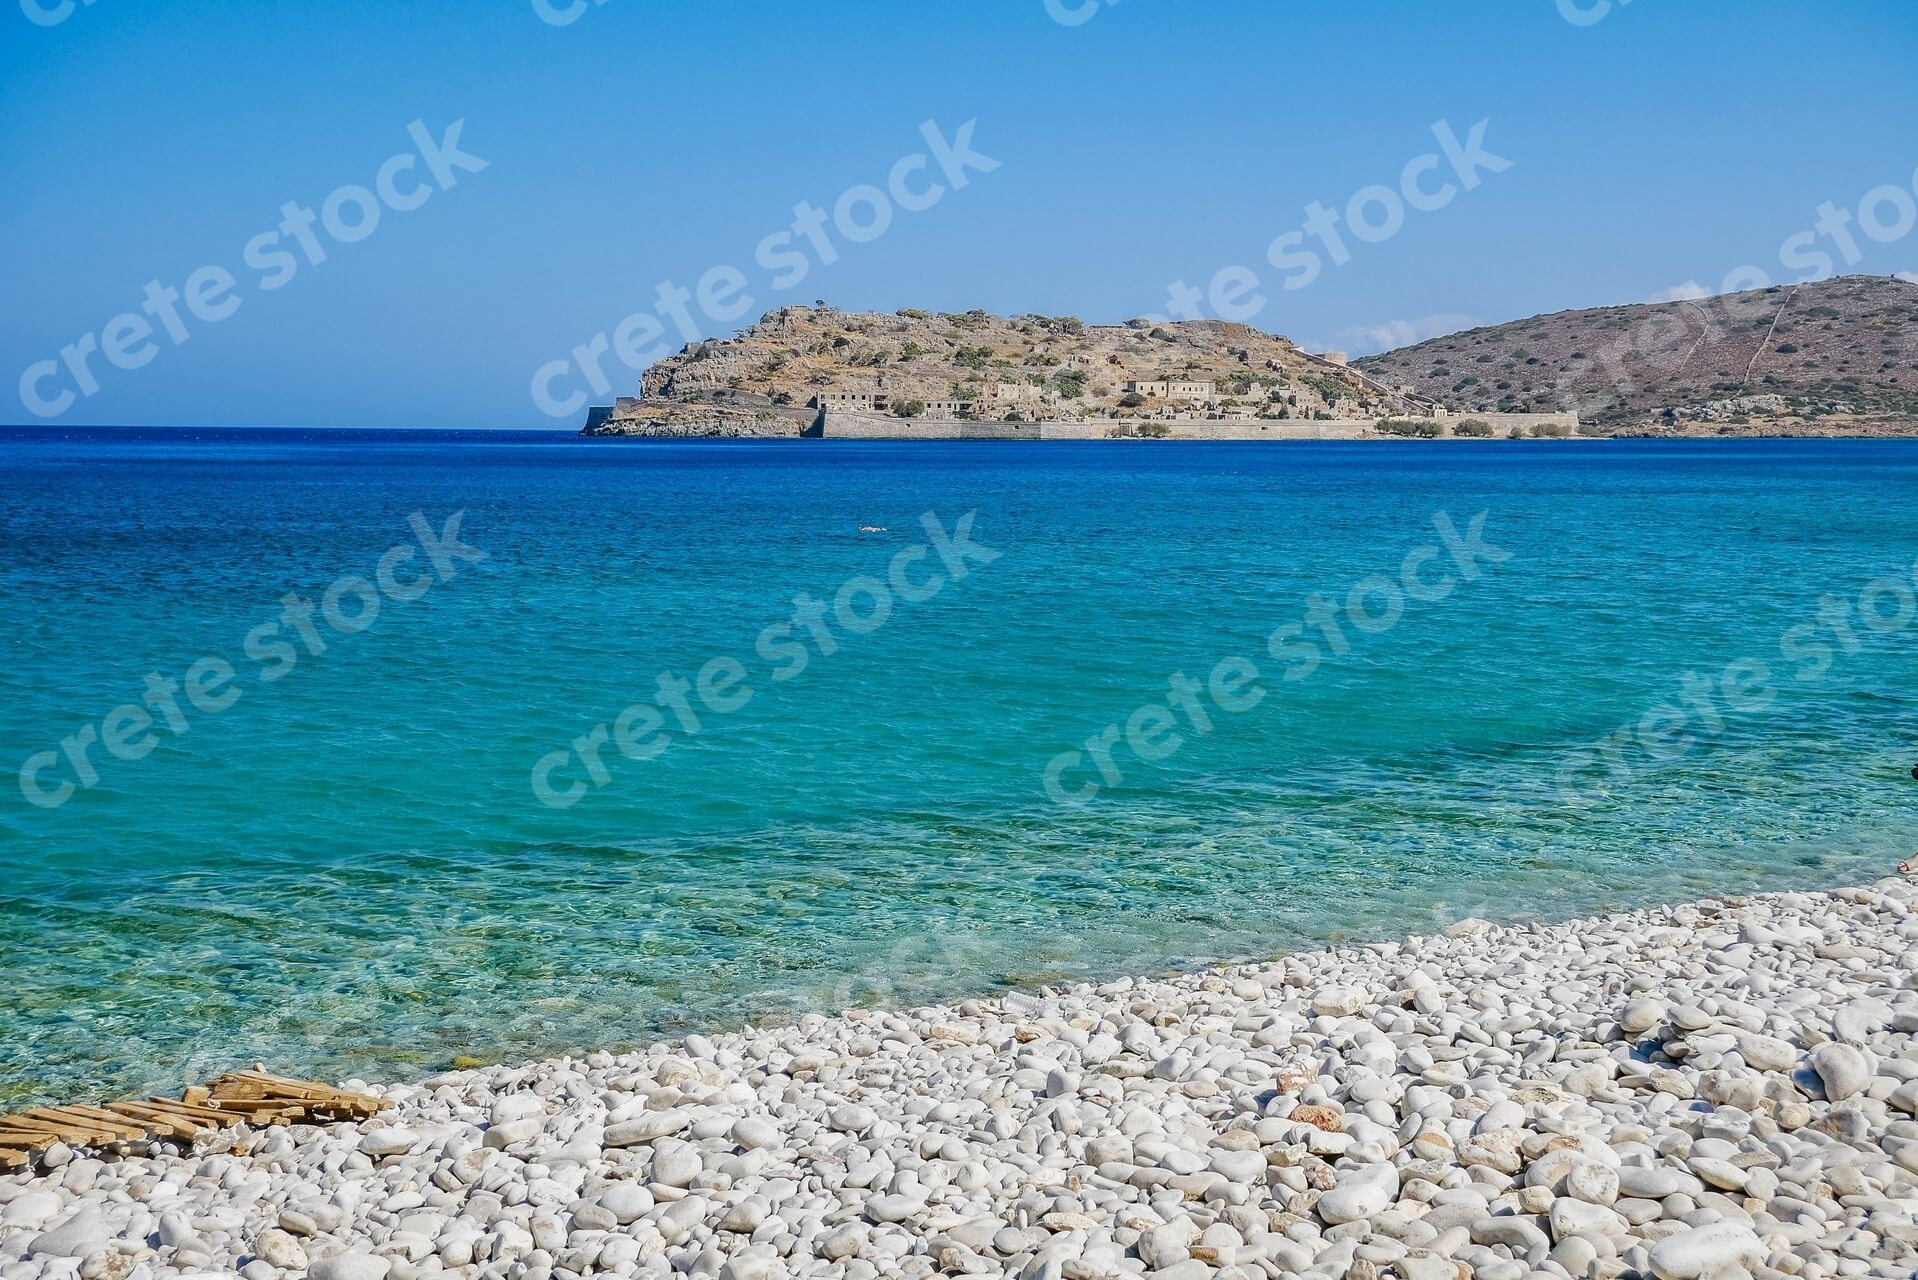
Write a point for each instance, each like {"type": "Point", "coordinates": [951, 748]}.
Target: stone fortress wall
{"type": "Point", "coordinates": [837, 424]}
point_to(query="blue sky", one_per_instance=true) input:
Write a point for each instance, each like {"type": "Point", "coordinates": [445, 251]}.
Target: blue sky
{"type": "Point", "coordinates": [1657, 144]}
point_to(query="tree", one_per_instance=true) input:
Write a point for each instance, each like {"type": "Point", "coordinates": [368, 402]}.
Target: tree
{"type": "Point", "coordinates": [909, 408]}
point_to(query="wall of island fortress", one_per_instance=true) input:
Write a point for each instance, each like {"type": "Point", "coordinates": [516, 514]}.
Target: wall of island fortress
{"type": "Point", "coordinates": [840, 424]}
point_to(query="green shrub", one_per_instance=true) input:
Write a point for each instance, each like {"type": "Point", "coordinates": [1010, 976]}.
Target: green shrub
{"type": "Point", "coordinates": [1551, 431]}
{"type": "Point", "coordinates": [1408, 427]}
{"type": "Point", "coordinates": [1155, 430]}
{"type": "Point", "coordinates": [909, 408]}
{"type": "Point", "coordinates": [1477, 428]}
{"type": "Point", "coordinates": [914, 313]}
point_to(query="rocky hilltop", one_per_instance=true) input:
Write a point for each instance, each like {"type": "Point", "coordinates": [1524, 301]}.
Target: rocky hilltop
{"type": "Point", "coordinates": [1835, 357]}
{"type": "Point", "coordinates": [776, 377]}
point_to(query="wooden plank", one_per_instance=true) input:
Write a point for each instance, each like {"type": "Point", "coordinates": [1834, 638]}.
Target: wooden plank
{"type": "Point", "coordinates": [255, 1096]}
{"type": "Point", "coordinates": [205, 1116]}
{"type": "Point", "coordinates": [17, 1126]}
{"type": "Point", "coordinates": [249, 1100]}
{"type": "Point", "coordinates": [46, 1130]}
{"type": "Point", "coordinates": [159, 1122]}
{"type": "Point", "coordinates": [72, 1132]}
{"type": "Point", "coordinates": [102, 1120]}
{"type": "Point", "coordinates": [313, 1090]}
{"type": "Point", "coordinates": [299, 1088]}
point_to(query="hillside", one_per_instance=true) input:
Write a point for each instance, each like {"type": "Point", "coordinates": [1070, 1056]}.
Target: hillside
{"type": "Point", "coordinates": [775, 377]}
{"type": "Point", "coordinates": [1832, 357]}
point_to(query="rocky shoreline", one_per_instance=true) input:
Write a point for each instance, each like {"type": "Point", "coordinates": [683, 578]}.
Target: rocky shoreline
{"type": "Point", "coordinates": [1724, 1089]}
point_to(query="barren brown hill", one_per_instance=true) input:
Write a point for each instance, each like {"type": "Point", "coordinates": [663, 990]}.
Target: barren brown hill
{"type": "Point", "coordinates": [774, 378]}
{"type": "Point", "coordinates": [1827, 358]}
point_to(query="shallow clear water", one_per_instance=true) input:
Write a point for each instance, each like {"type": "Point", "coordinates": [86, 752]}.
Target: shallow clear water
{"type": "Point", "coordinates": [348, 872]}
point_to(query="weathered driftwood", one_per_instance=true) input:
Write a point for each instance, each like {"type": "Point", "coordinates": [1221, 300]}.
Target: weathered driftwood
{"type": "Point", "coordinates": [251, 1097]}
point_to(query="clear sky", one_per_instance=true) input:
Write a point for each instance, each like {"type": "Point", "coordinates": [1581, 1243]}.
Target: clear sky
{"type": "Point", "coordinates": [1653, 144]}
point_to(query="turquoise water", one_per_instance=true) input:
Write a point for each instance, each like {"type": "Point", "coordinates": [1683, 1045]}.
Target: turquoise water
{"type": "Point", "coordinates": [348, 871]}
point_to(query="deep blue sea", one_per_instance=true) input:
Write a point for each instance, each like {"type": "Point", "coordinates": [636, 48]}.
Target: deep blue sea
{"type": "Point", "coordinates": [348, 870]}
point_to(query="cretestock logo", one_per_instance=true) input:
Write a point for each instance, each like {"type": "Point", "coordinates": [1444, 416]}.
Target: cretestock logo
{"type": "Point", "coordinates": [1069, 15]}
{"type": "Point", "coordinates": [42, 15]}
{"type": "Point", "coordinates": [349, 606]}
{"type": "Point", "coordinates": [1373, 215]}
{"type": "Point", "coordinates": [861, 215]}
{"type": "Point", "coordinates": [1373, 606]}
{"type": "Point", "coordinates": [350, 214]}
{"type": "Point", "coordinates": [1579, 15]}
{"type": "Point", "coordinates": [861, 606]}
{"type": "Point", "coordinates": [554, 15]}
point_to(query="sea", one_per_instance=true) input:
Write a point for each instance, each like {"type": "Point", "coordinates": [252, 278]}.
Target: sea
{"type": "Point", "coordinates": [298, 769]}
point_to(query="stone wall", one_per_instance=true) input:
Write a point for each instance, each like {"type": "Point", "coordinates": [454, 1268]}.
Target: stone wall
{"type": "Point", "coordinates": [840, 425]}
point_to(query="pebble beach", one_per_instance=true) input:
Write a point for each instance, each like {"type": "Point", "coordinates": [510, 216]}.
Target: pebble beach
{"type": "Point", "coordinates": [1723, 1089]}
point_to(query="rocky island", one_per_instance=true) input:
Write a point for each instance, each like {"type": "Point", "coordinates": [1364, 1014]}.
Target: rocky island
{"type": "Point", "coordinates": [916, 375]}
{"type": "Point", "coordinates": [1832, 357]}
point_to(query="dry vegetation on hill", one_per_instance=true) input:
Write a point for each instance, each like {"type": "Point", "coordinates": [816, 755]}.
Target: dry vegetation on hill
{"type": "Point", "coordinates": [1832, 357]}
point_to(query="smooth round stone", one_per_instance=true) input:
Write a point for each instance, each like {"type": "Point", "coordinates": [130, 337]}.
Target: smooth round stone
{"type": "Point", "coordinates": [1844, 1069]}
{"type": "Point", "coordinates": [518, 1106]}
{"type": "Point", "coordinates": [1654, 1182]}
{"type": "Point", "coordinates": [746, 1216]}
{"type": "Point", "coordinates": [1592, 1182]}
{"type": "Point", "coordinates": [649, 1127]}
{"type": "Point", "coordinates": [1701, 1253]}
{"type": "Point", "coordinates": [1722, 1174]}
{"type": "Point", "coordinates": [1767, 1053]}
{"type": "Point", "coordinates": [676, 1164]}
{"type": "Point", "coordinates": [388, 1142]}
{"type": "Point", "coordinates": [1337, 1002]}
{"type": "Point", "coordinates": [1361, 1193]}
{"type": "Point", "coordinates": [893, 1208]}
{"type": "Point", "coordinates": [77, 1236]}
{"type": "Point", "coordinates": [843, 1242]}
{"type": "Point", "coordinates": [1242, 1167]}
{"type": "Point", "coordinates": [853, 1118]}
{"type": "Point", "coordinates": [280, 1249]}
{"type": "Point", "coordinates": [1641, 1016]}
{"type": "Point", "coordinates": [31, 1208]}
{"type": "Point", "coordinates": [1689, 1017]}
{"type": "Point", "coordinates": [351, 1266]}
{"type": "Point", "coordinates": [1571, 1217]}
{"type": "Point", "coordinates": [626, 1201]}
{"type": "Point", "coordinates": [754, 1134]}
